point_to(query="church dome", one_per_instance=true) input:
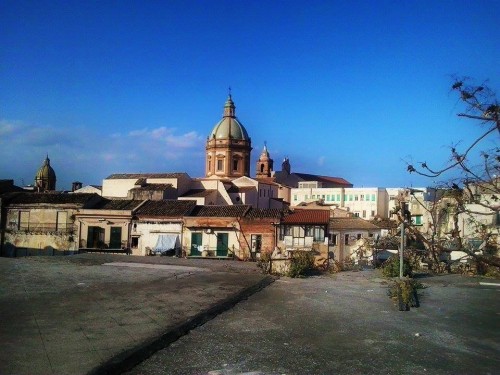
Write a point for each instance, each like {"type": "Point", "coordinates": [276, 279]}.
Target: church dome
{"type": "Point", "coordinates": [229, 127]}
{"type": "Point", "coordinates": [46, 177]}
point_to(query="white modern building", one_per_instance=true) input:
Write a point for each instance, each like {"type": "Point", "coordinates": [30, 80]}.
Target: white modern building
{"type": "Point", "coordinates": [365, 203]}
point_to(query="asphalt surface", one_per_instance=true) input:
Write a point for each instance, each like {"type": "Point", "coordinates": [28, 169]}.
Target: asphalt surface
{"type": "Point", "coordinates": [345, 324]}
{"type": "Point", "coordinates": [96, 314]}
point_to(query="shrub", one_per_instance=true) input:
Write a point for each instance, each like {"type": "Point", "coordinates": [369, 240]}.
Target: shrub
{"type": "Point", "coordinates": [302, 263]}
{"type": "Point", "coordinates": [264, 262]}
{"type": "Point", "coordinates": [404, 292]}
{"type": "Point", "coordinates": [390, 268]}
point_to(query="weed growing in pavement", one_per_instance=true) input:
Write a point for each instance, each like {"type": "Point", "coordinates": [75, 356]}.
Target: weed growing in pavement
{"type": "Point", "coordinates": [301, 264]}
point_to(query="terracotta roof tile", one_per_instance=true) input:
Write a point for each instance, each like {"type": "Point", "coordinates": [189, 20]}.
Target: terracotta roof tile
{"type": "Point", "coordinates": [166, 208]}
{"type": "Point", "coordinates": [220, 211]}
{"type": "Point", "coordinates": [198, 192]}
{"type": "Point", "coordinates": [308, 217]}
{"type": "Point", "coordinates": [118, 204]}
{"type": "Point", "coordinates": [351, 223]}
{"type": "Point", "coordinates": [259, 213]}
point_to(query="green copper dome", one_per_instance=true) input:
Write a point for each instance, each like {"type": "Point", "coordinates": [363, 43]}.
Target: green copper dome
{"type": "Point", "coordinates": [229, 127]}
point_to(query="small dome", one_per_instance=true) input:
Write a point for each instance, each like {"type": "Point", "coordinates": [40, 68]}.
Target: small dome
{"type": "Point", "coordinates": [229, 126]}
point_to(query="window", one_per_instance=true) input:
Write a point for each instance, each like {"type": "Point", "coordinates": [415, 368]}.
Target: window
{"type": "Point", "coordinates": [256, 241]}
{"type": "Point", "coordinates": [362, 197]}
{"type": "Point", "coordinates": [323, 196]}
{"type": "Point", "coordinates": [319, 234]}
{"type": "Point", "coordinates": [328, 197]}
{"type": "Point", "coordinates": [61, 223]}
{"type": "Point", "coordinates": [373, 213]}
{"type": "Point", "coordinates": [298, 232]}
{"type": "Point", "coordinates": [364, 214]}
{"type": "Point", "coordinates": [417, 219]}
{"type": "Point", "coordinates": [295, 197]}
{"type": "Point", "coordinates": [235, 164]}
{"type": "Point", "coordinates": [358, 236]}
{"type": "Point", "coordinates": [220, 165]}
{"type": "Point", "coordinates": [356, 197]}
{"type": "Point", "coordinates": [373, 197]}
{"type": "Point", "coordinates": [333, 239]}
{"type": "Point", "coordinates": [356, 214]}
{"type": "Point", "coordinates": [24, 220]}
{"type": "Point", "coordinates": [338, 197]}
{"type": "Point", "coordinates": [307, 197]}
{"type": "Point", "coordinates": [135, 242]}
{"type": "Point", "coordinates": [346, 239]}
{"type": "Point", "coordinates": [350, 197]}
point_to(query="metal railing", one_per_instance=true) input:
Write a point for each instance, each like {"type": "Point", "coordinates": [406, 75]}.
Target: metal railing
{"type": "Point", "coordinates": [65, 228]}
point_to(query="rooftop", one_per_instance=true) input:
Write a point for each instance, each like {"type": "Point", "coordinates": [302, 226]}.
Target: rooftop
{"type": "Point", "coordinates": [308, 217]}
{"type": "Point", "coordinates": [352, 223]}
{"type": "Point", "coordinates": [220, 211]}
{"type": "Point", "coordinates": [127, 176]}
{"type": "Point", "coordinates": [49, 198]}
{"type": "Point", "coordinates": [166, 208]}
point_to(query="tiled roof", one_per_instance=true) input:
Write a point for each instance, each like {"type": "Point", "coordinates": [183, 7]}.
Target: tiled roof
{"type": "Point", "coordinates": [240, 189]}
{"type": "Point", "coordinates": [49, 198]}
{"type": "Point", "coordinates": [259, 213]}
{"type": "Point", "coordinates": [351, 223]}
{"type": "Point", "coordinates": [384, 223]}
{"type": "Point", "coordinates": [122, 176]}
{"type": "Point", "coordinates": [166, 208]}
{"type": "Point", "coordinates": [313, 177]}
{"type": "Point", "coordinates": [152, 187]}
{"type": "Point", "coordinates": [198, 192]}
{"type": "Point", "coordinates": [308, 217]}
{"type": "Point", "coordinates": [220, 211]}
{"type": "Point", "coordinates": [118, 204]}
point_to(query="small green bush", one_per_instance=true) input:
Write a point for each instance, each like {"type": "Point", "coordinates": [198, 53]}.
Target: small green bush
{"type": "Point", "coordinates": [264, 262]}
{"type": "Point", "coordinates": [390, 268]}
{"type": "Point", "coordinates": [301, 264]}
{"type": "Point", "coordinates": [404, 292]}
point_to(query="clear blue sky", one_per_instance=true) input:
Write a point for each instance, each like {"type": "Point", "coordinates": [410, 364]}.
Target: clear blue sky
{"type": "Point", "coordinates": [343, 88]}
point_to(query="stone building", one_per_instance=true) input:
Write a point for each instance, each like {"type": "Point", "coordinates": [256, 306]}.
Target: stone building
{"type": "Point", "coordinates": [41, 223]}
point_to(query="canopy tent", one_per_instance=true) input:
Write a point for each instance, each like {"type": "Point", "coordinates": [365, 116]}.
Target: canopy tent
{"type": "Point", "coordinates": [166, 242]}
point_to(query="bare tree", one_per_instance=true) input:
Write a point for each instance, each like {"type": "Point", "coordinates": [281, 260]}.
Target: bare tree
{"type": "Point", "coordinates": [465, 215]}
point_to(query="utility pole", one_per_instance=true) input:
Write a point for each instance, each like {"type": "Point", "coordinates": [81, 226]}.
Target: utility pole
{"type": "Point", "coordinates": [402, 246]}
{"type": "Point", "coordinates": [405, 215]}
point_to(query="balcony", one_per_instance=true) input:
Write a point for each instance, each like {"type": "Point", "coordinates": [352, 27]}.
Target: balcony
{"type": "Point", "coordinates": [59, 228]}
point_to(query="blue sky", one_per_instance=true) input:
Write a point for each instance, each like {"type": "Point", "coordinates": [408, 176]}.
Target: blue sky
{"type": "Point", "coordinates": [351, 89]}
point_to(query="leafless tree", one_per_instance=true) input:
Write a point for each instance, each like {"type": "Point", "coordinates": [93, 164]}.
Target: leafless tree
{"type": "Point", "coordinates": [472, 196]}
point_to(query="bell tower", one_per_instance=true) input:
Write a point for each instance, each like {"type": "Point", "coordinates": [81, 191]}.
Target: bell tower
{"type": "Point", "coordinates": [264, 165]}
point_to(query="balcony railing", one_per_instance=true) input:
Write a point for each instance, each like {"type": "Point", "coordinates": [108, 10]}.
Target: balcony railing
{"type": "Point", "coordinates": [64, 228]}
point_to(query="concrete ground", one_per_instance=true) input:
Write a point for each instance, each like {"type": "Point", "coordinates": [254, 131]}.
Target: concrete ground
{"type": "Point", "coordinates": [95, 313]}
{"type": "Point", "coordinates": [345, 324]}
